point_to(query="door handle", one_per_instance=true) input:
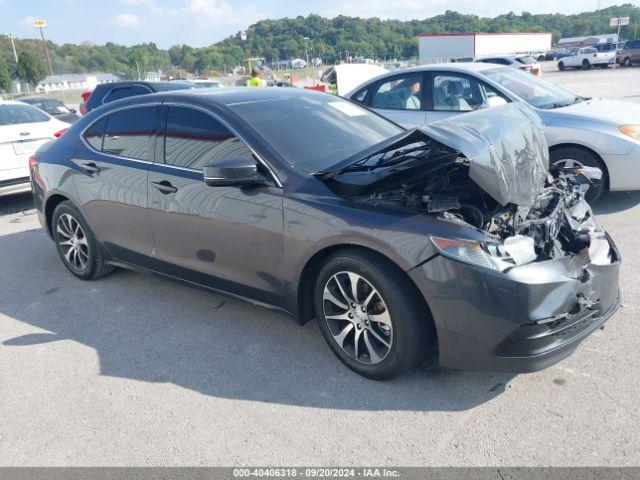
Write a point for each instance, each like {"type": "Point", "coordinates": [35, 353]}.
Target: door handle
{"type": "Point", "coordinates": [164, 187]}
{"type": "Point", "coordinates": [89, 167]}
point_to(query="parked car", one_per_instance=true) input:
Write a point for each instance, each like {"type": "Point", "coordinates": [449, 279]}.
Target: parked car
{"type": "Point", "coordinates": [580, 131]}
{"type": "Point", "coordinates": [521, 62]}
{"type": "Point", "coordinates": [23, 129]}
{"type": "Point", "coordinates": [83, 104]}
{"type": "Point", "coordinates": [53, 107]}
{"type": "Point", "coordinates": [397, 241]}
{"type": "Point", "coordinates": [108, 92]}
{"type": "Point", "coordinates": [586, 58]}
{"type": "Point", "coordinates": [630, 54]}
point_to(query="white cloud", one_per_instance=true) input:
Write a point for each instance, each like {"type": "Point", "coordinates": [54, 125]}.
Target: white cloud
{"type": "Point", "coordinates": [28, 21]}
{"type": "Point", "coordinates": [126, 20]}
{"type": "Point", "coordinates": [208, 12]}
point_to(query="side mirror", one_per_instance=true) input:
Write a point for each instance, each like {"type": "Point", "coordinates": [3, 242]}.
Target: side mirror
{"type": "Point", "coordinates": [234, 172]}
{"type": "Point", "coordinates": [72, 110]}
{"type": "Point", "coordinates": [494, 101]}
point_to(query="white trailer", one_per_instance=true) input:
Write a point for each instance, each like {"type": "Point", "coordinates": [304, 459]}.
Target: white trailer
{"type": "Point", "coordinates": [445, 47]}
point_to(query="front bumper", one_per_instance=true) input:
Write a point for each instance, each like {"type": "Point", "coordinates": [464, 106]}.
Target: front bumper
{"type": "Point", "coordinates": [520, 321]}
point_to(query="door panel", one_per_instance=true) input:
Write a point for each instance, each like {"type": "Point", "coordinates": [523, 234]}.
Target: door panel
{"type": "Point", "coordinates": [111, 189]}
{"type": "Point", "coordinates": [224, 237]}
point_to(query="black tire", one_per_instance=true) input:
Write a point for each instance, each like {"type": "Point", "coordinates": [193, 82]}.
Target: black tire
{"type": "Point", "coordinates": [96, 265]}
{"type": "Point", "coordinates": [411, 333]}
{"type": "Point", "coordinates": [586, 158]}
{"type": "Point", "coordinates": [561, 66]}
{"type": "Point", "coordinates": [585, 64]}
{"type": "Point", "coordinates": [627, 62]}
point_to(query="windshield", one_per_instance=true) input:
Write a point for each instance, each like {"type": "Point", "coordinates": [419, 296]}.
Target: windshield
{"type": "Point", "coordinates": [314, 131]}
{"type": "Point", "coordinates": [11, 114]}
{"type": "Point", "coordinates": [537, 92]}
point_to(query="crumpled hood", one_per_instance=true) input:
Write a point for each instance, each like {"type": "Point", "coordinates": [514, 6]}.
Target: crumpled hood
{"type": "Point", "coordinates": [506, 148]}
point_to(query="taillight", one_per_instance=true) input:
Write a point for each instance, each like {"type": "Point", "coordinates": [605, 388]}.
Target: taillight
{"type": "Point", "coordinates": [83, 108]}
{"type": "Point", "coordinates": [33, 161]}
{"type": "Point", "coordinates": [85, 95]}
{"type": "Point", "coordinates": [526, 68]}
{"type": "Point", "coordinates": [60, 133]}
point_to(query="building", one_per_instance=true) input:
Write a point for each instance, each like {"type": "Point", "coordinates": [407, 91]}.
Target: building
{"type": "Point", "coordinates": [593, 40]}
{"type": "Point", "coordinates": [73, 81]}
{"type": "Point", "coordinates": [445, 47]}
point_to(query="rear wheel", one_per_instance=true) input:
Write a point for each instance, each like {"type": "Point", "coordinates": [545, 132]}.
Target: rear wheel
{"type": "Point", "coordinates": [76, 244]}
{"type": "Point", "coordinates": [585, 64]}
{"type": "Point", "coordinates": [371, 316]}
{"type": "Point", "coordinates": [577, 157]}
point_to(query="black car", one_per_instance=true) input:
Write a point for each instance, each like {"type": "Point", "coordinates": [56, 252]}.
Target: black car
{"type": "Point", "coordinates": [399, 242]}
{"type": "Point", "coordinates": [108, 92]}
{"type": "Point", "coordinates": [53, 107]}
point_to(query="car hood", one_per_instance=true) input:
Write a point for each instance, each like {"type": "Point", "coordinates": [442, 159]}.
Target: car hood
{"type": "Point", "coordinates": [506, 148]}
{"type": "Point", "coordinates": [598, 110]}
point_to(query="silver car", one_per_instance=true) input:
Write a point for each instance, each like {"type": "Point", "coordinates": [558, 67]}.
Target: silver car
{"type": "Point", "coordinates": [580, 131]}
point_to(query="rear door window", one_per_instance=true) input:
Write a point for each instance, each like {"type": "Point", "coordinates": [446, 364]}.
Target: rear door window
{"type": "Point", "coordinates": [194, 139]}
{"type": "Point", "coordinates": [130, 133]}
{"type": "Point", "coordinates": [94, 134]}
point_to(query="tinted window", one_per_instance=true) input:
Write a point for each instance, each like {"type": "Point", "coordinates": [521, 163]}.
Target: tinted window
{"type": "Point", "coordinates": [11, 114]}
{"type": "Point", "coordinates": [590, 50]}
{"type": "Point", "coordinates": [194, 139]}
{"type": "Point", "coordinates": [129, 133]}
{"type": "Point", "coordinates": [94, 134]}
{"type": "Point", "coordinates": [400, 93]}
{"type": "Point", "coordinates": [460, 93]}
{"type": "Point", "coordinates": [118, 93]}
{"type": "Point", "coordinates": [314, 131]}
{"type": "Point", "coordinates": [499, 61]}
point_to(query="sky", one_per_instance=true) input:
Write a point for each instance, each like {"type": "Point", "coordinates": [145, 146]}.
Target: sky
{"type": "Point", "coordinates": [203, 22]}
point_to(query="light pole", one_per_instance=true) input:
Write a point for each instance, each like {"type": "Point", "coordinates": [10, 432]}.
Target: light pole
{"type": "Point", "coordinates": [41, 24]}
{"type": "Point", "coordinates": [11, 36]}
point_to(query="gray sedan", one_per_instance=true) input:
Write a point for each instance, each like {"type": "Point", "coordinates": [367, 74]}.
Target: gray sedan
{"type": "Point", "coordinates": [580, 131]}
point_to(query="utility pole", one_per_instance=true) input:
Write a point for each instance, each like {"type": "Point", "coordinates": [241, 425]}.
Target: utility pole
{"type": "Point", "coordinates": [41, 24]}
{"type": "Point", "coordinates": [13, 36]}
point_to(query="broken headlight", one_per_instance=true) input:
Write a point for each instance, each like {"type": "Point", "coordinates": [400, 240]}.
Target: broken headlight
{"type": "Point", "coordinates": [481, 254]}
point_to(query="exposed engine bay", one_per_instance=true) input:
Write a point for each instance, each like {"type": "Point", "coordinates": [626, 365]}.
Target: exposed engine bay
{"type": "Point", "coordinates": [432, 178]}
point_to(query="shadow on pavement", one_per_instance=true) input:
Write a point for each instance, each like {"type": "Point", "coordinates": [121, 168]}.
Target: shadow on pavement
{"type": "Point", "coordinates": [16, 203]}
{"type": "Point", "coordinates": [154, 330]}
{"type": "Point", "coordinates": [612, 202]}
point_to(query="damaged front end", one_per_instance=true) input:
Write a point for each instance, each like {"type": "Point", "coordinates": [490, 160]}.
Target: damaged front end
{"type": "Point", "coordinates": [530, 273]}
{"type": "Point", "coordinates": [489, 171]}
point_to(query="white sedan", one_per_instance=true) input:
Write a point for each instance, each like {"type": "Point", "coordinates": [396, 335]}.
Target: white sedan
{"type": "Point", "coordinates": [580, 131]}
{"type": "Point", "coordinates": [23, 129]}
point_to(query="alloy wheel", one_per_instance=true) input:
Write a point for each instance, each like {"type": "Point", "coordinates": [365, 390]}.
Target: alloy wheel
{"type": "Point", "coordinates": [357, 317]}
{"type": "Point", "coordinates": [568, 163]}
{"type": "Point", "coordinates": [73, 242]}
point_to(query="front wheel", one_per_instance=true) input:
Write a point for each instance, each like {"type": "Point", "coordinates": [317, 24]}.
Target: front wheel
{"type": "Point", "coordinates": [76, 244]}
{"type": "Point", "coordinates": [627, 62]}
{"type": "Point", "coordinates": [561, 66]}
{"type": "Point", "coordinates": [371, 316]}
{"type": "Point", "coordinates": [586, 65]}
{"type": "Point", "coordinates": [571, 157]}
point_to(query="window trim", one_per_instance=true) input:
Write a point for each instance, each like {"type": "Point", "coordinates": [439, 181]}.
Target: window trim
{"type": "Point", "coordinates": [446, 73]}
{"type": "Point", "coordinates": [424, 97]}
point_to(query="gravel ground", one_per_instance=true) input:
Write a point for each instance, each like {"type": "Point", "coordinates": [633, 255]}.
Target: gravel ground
{"type": "Point", "coordinates": [138, 370]}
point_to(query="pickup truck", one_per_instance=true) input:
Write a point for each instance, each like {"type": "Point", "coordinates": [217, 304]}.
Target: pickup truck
{"type": "Point", "coordinates": [586, 58]}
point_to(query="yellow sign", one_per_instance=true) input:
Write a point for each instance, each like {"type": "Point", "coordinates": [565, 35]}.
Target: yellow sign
{"type": "Point", "coordinates": [40, 23]}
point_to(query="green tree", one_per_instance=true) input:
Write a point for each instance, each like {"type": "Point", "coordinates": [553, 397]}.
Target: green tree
{"type": "Point", "coordinates": [5, 79]}
{"type": "Point", "coordinates": [30, 68]}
